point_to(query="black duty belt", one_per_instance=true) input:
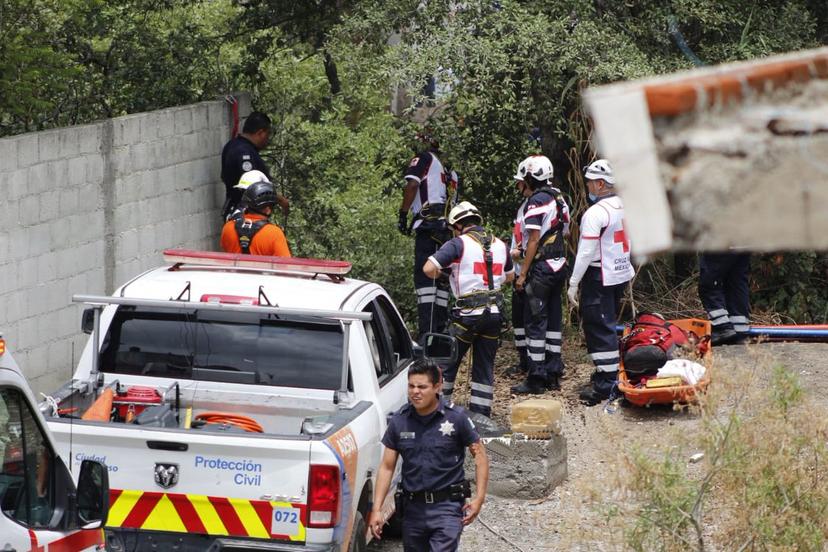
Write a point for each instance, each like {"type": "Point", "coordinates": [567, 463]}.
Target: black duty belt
{"type": "Point", "coordinates": [432, 211]}
{"type": "Point", "coordinates": [457, 492]}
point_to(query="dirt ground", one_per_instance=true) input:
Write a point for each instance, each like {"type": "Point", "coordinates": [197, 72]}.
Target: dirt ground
{"type": "Point", "coordinates": [567, 519]}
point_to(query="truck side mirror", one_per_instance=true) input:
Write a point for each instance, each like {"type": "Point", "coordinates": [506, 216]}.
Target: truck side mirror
{"type": "Point", "coordinates": [440, 348]}
{"type": "Point", "coordinates": [88, 321]}
{"type": "Point", "coordinates": [93, 494]}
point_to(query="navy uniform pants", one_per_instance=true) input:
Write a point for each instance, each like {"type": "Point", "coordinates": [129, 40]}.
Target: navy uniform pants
{"type": "Point", "coordinates": [599, 312]}
{"type": "Point", "coordinates": [432, 527]}
{"type": "Point", "coordinates": [518, 325]}
{"type": "Point", "coordinates": [432, 295]}
{"type": "Point", "coordinates": [481, 333]}
{"type": "Point", "coordinates": [724, 290]}
{"type": "Point", "coordinates": [542, 321]}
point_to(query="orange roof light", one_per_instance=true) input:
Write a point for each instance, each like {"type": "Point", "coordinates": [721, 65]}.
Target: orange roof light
{"type": "Point", "coordinates": [290, 264]}
{"type": "Point", "coordinates": [2, 346]}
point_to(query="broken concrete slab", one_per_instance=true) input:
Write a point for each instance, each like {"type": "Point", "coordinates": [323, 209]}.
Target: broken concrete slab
{"type": "Point", "coordinates": [523, 468]}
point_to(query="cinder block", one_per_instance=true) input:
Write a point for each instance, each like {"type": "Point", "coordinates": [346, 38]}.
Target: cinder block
{"type": "Point", "coordinates": [58, 296]}
{"type": "Point", "coordinates": [167, 126]}
{"type": "Point", "coordinates": [60, 233]}
{"type": "Point", "coordinates": [39, 240]}
{"type": "Point", "coordinates": [140, 157]}
{"type": "Point", "coordinates": [27, 333]}
{"type": "Point", "coordinates": [200, 117]}
{"type": "Point", "coordinates": [4, 251]}
{"type": "Point", "coordinates": [37, 366]}
{"type": "Point", "coordinates": [191, 147]}
{"type": "Point", "coordinates": [76, 171]}
{"type": "Point", "coordinates": [183, 118]}
{"type": "Point", "coordinates": [69, 199]}
{"type": "Point", "coordinates": [68, 320]}
{"type": "Point", "coordinates": [89, 139]}
{"type": "Point", "coordinates": [127, 245]}
{"type": "Point", "coordinates": [38, 178]}
{"type": "Point", "coordinates": [58, 358]}
{"type": "Point", "coordinates": [122, 161]}
{"type": "Point", "coordinates": [69, 142]}
{"type": "Point", "coordinates": [8, 155]}
{"type": "Point", "coordinates": [125, 217]}
{"type": "Point", "coordinates": [9, 221]}
{"type": "Point", "coordinates": [90, 197]}
{"type": "Point", "coordinates": [67, 262]}
{"type": "Point", "coordinates": [218, 114]}
{"type": "Point", "coordinates": [47, 326]}
{"type": "Point", "coordinates": [183, 176]}
{"type": "Point", "coordinates": [94, 169]}
{"type": "Point", "coordinates": [46, 268]}
{"type": "Point", "coordinates": [15, 306]}
{"type": "Point", "coordinates": [49, 206]}
{"type": "Point", "coordinates": [18, 243]}
{"type": "Point", "coordinates": [49, 145]}
{"type": "Point", "coordinates": [146, 240]}
{"type": "Point", "coordinates": [8, 283]}
{"type": "Point", "coordinates": [126, 130]}
{"type": "Point", "coordinates": [28, 210]}
{"type": "Point", "coordinates": [96, 282]}
{"type": "Point", "coordinates": [149, 126]}
{"type": "Point", "coordinates": [27, 150]}
{"type": "Point", "coordinates": [16, 183]}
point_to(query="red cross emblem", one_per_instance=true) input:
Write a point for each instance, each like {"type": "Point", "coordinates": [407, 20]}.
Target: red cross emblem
{"type": "Point", "coordinates": [480, 268]}
{"type": "Point", "coordinates": [621, 237]}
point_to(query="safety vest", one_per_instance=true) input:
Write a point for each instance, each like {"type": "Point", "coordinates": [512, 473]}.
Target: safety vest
{"type": "Point", "coordinates": [471, 282]}
{"type": "Point", "coordinates": [430, 202]}
{"type": "Point", "coordinates": [551, 248]}
{"type": "Point", "coordinates": [616, 265]}
{"type": "Point", "coordinates": [246, 229]}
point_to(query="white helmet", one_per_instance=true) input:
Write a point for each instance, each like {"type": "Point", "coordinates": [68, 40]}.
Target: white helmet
{"type": "Point", "coordinates": [521, 171]}
{"type": "Point", "coordinates": [464, 209]}
{"type": "Point", "coordinates": [600, 170]}
{"type": "Point", "coordinates": [251, 177]}
{"type": "Point", "coordinates": [538, 167]}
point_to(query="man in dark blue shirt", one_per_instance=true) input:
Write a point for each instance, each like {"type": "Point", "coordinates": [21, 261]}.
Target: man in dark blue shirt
{"type": "Point", "coordinates": [241, 154]}
{"type": "Point", "coordinates": [431, 436]}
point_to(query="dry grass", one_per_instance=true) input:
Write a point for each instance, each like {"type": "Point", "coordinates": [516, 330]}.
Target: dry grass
{"type": "Point", "coordinates": [761, 485]}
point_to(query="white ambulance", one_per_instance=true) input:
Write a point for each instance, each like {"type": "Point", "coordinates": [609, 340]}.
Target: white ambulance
{"type": "Point", "coordinates": [42, 510]}
{"type": "Point", "coordinates": [238, 402]}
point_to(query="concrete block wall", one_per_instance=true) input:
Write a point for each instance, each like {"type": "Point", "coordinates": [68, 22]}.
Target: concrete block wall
{"type": "Point", "coordinates": [83, 209]}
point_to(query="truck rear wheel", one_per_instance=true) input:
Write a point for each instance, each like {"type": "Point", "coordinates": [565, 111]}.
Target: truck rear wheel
{"type": "Point", "coordinates": [358, 543]}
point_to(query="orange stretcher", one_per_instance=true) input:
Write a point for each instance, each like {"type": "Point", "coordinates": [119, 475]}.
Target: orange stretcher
{"type": "Point", "coordinates": [645, 396]}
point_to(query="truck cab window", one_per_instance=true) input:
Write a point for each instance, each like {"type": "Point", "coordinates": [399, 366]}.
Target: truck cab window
{"type": "Point", "coordinates": [397, 332]}
{"type": "Point", "coordinates": [26, 476]}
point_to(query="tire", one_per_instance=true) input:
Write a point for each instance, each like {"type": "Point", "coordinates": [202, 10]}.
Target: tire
{"type": "Point", "coordinates": [358, 543]}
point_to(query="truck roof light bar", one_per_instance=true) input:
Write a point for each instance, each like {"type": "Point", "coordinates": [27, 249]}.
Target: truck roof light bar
{"type": "Point", "coordinates": [103, 300]}
{"type": "Point", "coordinates": [334, 269]}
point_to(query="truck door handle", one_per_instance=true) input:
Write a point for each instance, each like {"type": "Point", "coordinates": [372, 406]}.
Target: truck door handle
{"type": "Point", "coordinates": [168, 445]}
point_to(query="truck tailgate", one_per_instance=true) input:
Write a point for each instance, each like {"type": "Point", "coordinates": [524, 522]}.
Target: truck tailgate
{"type": "Point", "coordinates": [195, 481]}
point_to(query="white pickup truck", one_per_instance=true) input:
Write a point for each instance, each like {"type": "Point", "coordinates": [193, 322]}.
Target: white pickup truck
{"type": "Point", "coordinates": [42, 509]}
{"type": "Point", "coordinates": [238, 402]}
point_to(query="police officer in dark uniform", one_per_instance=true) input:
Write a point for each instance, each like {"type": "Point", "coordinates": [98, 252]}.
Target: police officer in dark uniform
{"type": "Point", "coordinates": [479, 264]}
{"type": "Point", "coordinates": [241, 154]}
{"type": "Point", "coordinates": [431, 436]}
{"type": "Point", "coordinates": [725, 294]}
{"type": "Point", "coordinates": [426, 196]}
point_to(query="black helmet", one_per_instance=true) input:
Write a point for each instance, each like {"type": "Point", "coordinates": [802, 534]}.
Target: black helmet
{"type": "Point", "coordinates": [259, 195]}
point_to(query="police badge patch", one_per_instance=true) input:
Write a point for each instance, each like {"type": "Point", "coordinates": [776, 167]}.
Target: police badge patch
{"type": "Point", "coordinates": [247, 166]}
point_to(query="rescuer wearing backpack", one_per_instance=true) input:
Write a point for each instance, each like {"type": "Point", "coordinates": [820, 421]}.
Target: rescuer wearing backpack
{"type": "Point", "coordinates": [479, 265]}
{"type": "Point", "coordinates": [604, 266]}
{"type": "Point", "coordinates": [253, 233]}
{"type": "Point", "coordinates": [542, 275]}
{"type": "Point", "coordinates": [427, 196]}
{"type": "Point", "coordinates": [518, 295]}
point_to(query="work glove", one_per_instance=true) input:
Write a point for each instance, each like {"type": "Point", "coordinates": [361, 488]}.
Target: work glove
{"type": "Point", "coordinates": [402, 224]}
{"type": "Point", "coordinates": [572, 293]}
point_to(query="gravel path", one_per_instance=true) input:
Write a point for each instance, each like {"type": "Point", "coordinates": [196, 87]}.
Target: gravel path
{"type": "Point", "coordinates": [567, 518]}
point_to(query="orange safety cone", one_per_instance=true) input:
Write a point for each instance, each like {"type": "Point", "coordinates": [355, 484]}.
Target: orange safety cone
{"type": "Point", "coordinates": [101, 409]}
